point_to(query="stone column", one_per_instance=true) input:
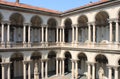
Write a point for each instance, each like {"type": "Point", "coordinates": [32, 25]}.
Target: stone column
{"type": "Point", "coordinates": [24, 35]}
{"type": "Point", "coordinates": [110, 39]}
{"type": "Point", "coordinates": [72, 69]}
{"type": "Point", "coordinates": [63, 35]}
{"type": "Point", "coordinates": [24, 70]}
{"type": "Point", "coordinates": [60, 35]}
{"type": "Point", "coordinates": [29, 36]}
{"type": "Point", "coordinates": [76, 34]}
{"type": "Point", "coordinates": [8, 35]}
{"type": "Point", "coordinates": [29, 70]}
{"type": "Point", "coordinates": [117, 32]}
{"type": "Point", "coordinates": [57, 35]}
{"type": "Point", "coordinates": [46, 69]}
{"type": "Point", "coordinates": [42, 34]}
{"type": "Point", "coordinates": [2, 36]}
{"type": "Point", "coordinates": [110, 73]}
{"type": "Point", "coordinates": [76, 74]}
{"type": "Point", "coordinates": [3, 70]}
{"type": "Point", "coordinates": [8, 75]}
{"type": "Point", "coordinates": [116, 72]}
{"type": "Point", "coordinates": [56, 67]}
{"type": "Point", "coordinates": [89, 32]}
{"type": "Point", "coordinates": [42, 69]}
{"type": "Point", "coordinates": [93, 71]}
{"type": "Point", "coordinates": [15, 69]}
{"type": "Point", "coordinates": [73, 31]}
{"type": "Point", "coordinates": [89, 71]}
{"type": "Point", "coordinates": [94, 33]}
{"type": "Point", "coordinates": [46, 35]}
{"type": "Point", "coordinates": [63, 68]}
{"type": "Point", "coordinates": [60, 68]}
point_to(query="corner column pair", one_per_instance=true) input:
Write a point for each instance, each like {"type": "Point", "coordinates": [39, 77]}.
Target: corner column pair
{"type": "Point", "coordinates": [60, 66]}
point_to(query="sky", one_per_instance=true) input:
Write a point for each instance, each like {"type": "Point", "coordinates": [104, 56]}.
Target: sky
{"type": "Point", "coordinates": [59, 5]}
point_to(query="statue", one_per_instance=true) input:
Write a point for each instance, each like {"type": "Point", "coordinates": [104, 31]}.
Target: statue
{"type": "Point", "coordinates": [101, 73]}
{"type": "Point", "coordinates": [36, 72]}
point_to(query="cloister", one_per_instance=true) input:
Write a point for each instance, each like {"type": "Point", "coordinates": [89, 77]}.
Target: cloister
{"type": "Point", "coordinates": [83, 41]}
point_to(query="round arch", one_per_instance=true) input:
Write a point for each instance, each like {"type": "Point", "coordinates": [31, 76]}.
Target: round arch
{"type": "Point", "coordinates": [101, 64]}
{"type": "Point", "coordinates": [101, 18]}
{"type": "Point", "coordinates": [36, 55]}
{"type": "Point", "coordinates": [17, 19]}
{"type": "Point", "coordinates": [101, 59]}
{"type": "Point", "coordinates": [68, 23]}
{"type": "Point", "coordinates": [68, 30]}
{"type": "Point", "coordinates": [82, 65]}
{"type": "Point", "coordinates": [16, 65]}
{"type": "Point", "coordinates": [52, 23]}
{"type": "Point", "coordinates": [16, 57]}
{"type": "Point", "coordinates": [82, 20]}
{"type": "Point", "coordinates": [67, 64]}
{"type": "Point", "coordinates": [83, 56]}
{"type": "Point", "coordinates": [36, 21]}
{"type": "Point", "coordinates": [51, 63]}
{"type": "Point", "coordinates": [52, 54]}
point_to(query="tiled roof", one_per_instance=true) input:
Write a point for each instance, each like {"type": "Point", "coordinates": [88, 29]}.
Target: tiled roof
{"type": "Point", "coordinates": [87, 5]}
{"type": "Point", "coordinates": [48, 10]}
{"type": "Point", "coordinates": [28, 6]}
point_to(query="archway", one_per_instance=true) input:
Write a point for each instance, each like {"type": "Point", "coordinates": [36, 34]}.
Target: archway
{"type": "Point", "coordinates": [82, 65]}
{"type": "Point", "coordinates": [36, 22]}
{"type": "Point", "coordinates": [51, 63]}
{"type": "Point", "coordinates": [102, 62]}
{"type": "Point", "coordinates": [35, 57]}
{"type": "Point", "coordinates": [16, 27]}
{"type": "Point", "coordinates": [68, 30]}
{"type": "Point", "coordinates": [67, 62]}
{"type": "Point", "coordinates": [102, 27]}
{"type": "Point", "coordinates": [52, 25]}
{"type": "Point", "coordinates": [16, 65]}
{"type": "Point", "coordinates": [82, 28]}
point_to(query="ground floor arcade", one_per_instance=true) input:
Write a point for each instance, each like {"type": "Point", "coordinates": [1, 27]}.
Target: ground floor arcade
{"type": "Point", "coordinates": [59, 63]}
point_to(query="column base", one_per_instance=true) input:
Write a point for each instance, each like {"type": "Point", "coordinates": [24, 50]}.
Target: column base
{"type": "Point", "coordinates": [24, 44]}
{"type": "Point", "coordinates": [57, 43]}
{"type": "Point", "coordinates": [29, 44]}
{"type": "Point", "coordinates": [42, 44]}
{"type": "Point", "coordinates": [46, 44]}
{"type": "Point", "coordinates": [9, 44]}
{"type": "Point", "coordinates": [3, 44]}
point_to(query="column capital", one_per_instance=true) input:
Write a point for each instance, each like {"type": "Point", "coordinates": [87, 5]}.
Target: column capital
{"type": "Point", "coordinates": [74, 60]}
{"type": "Point", "coordinates": [43, 25]}
{"type": "Point", "coordinates": [75, 25]}
{"type": "Point", "coordinates": [112, 66]}
{"type": "Point", "coordinates": [6, 22]}
{"type": "Point", "coordinates": [27, 24]}
{"type": "Point", "coordinates": [91, 63]}
{"type": "Point", "coordinates": [91, 23]}
{"type": "Point", "coordinates": [44, 59]}
{"type": "Point", "coordinates": [27, 61]}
